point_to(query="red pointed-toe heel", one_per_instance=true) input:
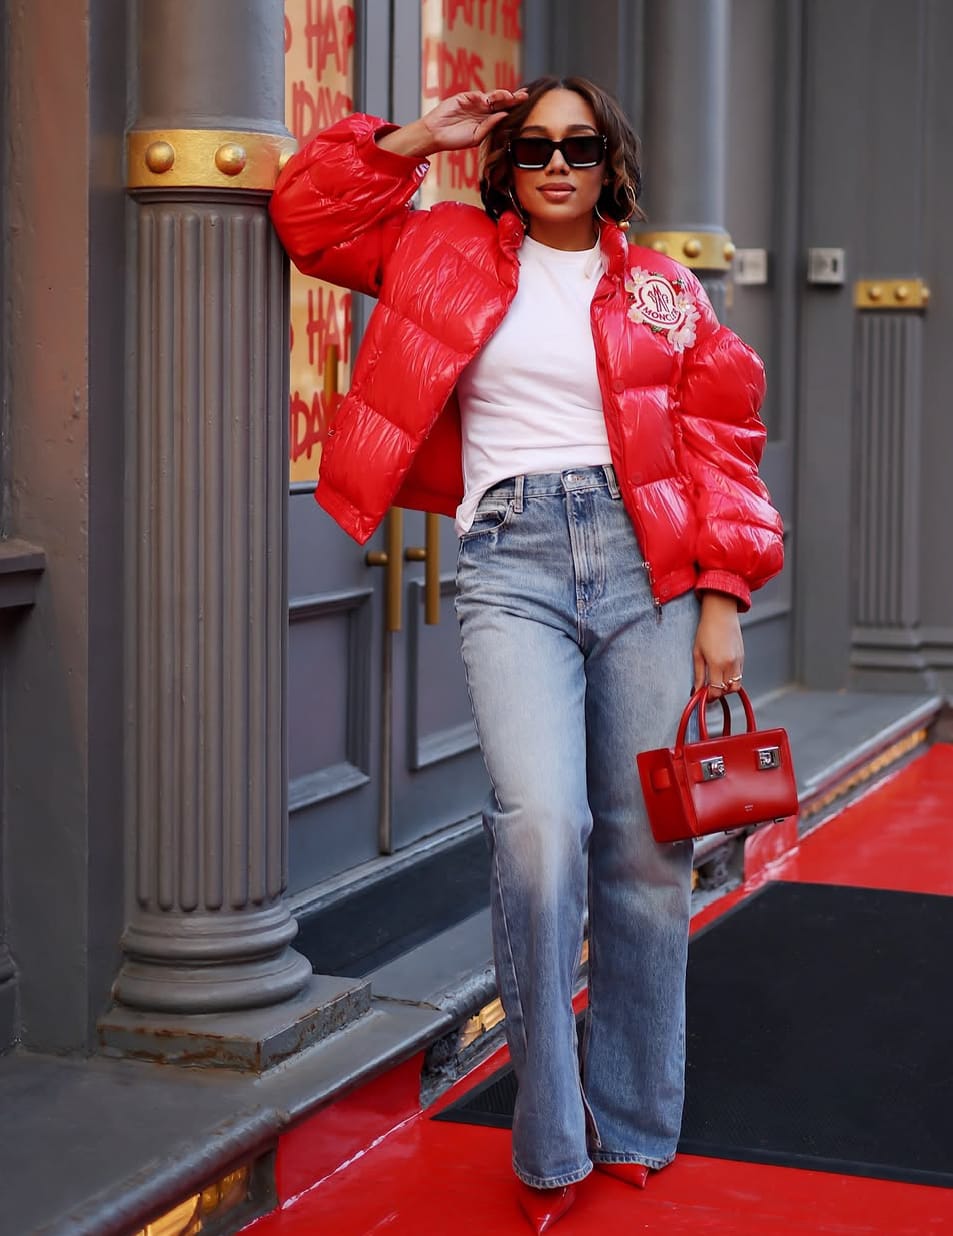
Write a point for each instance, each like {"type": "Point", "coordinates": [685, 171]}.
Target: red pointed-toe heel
{"type": "Point", "coordinates": [544, 1208]}
{"type": "Point", "coordinates": [635, 1174]}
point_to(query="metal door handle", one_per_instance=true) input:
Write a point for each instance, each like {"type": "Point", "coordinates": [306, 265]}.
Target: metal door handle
{"type": "Point", "coordinates": [392, 560]}
{"type": "Point", "coordinates": [430, 555]}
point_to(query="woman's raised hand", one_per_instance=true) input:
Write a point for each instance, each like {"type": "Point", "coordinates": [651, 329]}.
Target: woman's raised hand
{"type": "Point", "coordinates": [465, 119]}
{"type": "Point", "coordinates": [456, 123]}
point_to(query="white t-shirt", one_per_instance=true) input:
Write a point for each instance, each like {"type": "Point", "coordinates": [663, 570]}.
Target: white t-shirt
{"type": "Point", "coordinates": [530, 402]}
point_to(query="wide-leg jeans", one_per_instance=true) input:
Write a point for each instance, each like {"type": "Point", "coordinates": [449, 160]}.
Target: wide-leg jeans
{"type": "Point", "coordinates": [573, 669]}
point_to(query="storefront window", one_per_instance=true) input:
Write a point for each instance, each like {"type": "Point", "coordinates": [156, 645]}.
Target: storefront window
{"type": "Point", "coordinates": [467, 45]}
{"type": "Point", "coordinates": [319, 89]}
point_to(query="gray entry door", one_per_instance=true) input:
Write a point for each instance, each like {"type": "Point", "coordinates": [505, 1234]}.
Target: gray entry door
{"type": "Point", "coordinates": [382, 748]}
{"type": "Point", "coordinates": [438, 772]}
{"type": "Point", "coordinates": [334, 698]}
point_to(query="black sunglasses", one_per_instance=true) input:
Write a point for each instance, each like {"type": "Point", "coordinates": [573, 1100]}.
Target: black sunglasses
{"type": "Point", "coordinates": [534, 153]}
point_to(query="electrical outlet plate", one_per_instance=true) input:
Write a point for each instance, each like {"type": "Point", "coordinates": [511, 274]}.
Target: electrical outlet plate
{"type": "Point", "coordinates": [826, 266]}
{"type": "Point", "coordinates": [750, 267]}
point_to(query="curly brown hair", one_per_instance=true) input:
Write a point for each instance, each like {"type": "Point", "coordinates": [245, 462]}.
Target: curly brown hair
{"type": "Point", "coordinates": [618, 200]}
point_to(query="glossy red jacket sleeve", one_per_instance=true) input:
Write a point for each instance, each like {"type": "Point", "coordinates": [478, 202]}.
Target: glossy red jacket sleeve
{"type": "Point", "coordinates": [722, 436]}
{"type": "Point", "coordinates": [341, 202]}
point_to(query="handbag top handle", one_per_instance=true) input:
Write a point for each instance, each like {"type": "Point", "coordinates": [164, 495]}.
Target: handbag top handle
{"type": "Point", "coordinates": [700, 700]}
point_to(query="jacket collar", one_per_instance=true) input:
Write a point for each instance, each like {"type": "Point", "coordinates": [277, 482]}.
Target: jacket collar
{"type": "Point", "coordinates": [511, 230]}
{"type": "Point", "coordinates": [615, 248]}
{"type": "Point", "coordinates": [612, 240]}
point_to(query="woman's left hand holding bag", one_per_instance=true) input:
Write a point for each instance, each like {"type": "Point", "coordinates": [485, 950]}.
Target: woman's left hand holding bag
{"type": "Point", "coordinates": [719, 652]}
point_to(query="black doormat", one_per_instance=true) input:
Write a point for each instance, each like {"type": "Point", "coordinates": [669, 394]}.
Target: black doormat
{"type": "Point", "coordinates": [820, 1035]}
{"type": "Point", "coordinates": [380, 922]}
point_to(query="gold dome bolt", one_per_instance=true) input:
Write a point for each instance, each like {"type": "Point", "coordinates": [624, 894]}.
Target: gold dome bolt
{"type": "Point", "coordinates": [159, 157]}
{"type": "Point", "coordinates": [902, 292]}
{"type": "Point", "coordinates": [660, 246]}
{"type": "Point", "coordinates": [231, 158]}
{"type": "Point", "coordinates": [692, 247]}
{"type": "Point", "coordinates": [924, 295]}
{"type": "Point", "coordinates": [875, 292]}
{"type": "Point", "coordinates": [729, 251]}
{"type": "Point", "coordinates": [284, 157]}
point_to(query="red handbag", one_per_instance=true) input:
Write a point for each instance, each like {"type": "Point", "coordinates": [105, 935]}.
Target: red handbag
{"type": "Point", "coordinates": [717, 784]}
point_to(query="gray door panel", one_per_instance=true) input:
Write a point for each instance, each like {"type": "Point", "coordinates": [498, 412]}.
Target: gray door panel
{"type": "Point", "coordinates": [438, 773]}
{"type": "Point", "coordinates": [334, 694]}
{"type": "Point", "coordinates": [337, 695]}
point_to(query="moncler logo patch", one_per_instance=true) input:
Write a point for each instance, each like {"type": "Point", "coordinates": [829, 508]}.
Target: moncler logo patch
{"type": "Point", "coordinates": [665, 307]}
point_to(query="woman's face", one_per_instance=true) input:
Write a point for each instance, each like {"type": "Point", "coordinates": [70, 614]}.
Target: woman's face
{"type": "Point", "coordinates": [560, 199]}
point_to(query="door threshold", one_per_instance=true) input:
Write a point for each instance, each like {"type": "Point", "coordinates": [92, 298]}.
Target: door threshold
{"type": "Point", "coordinates": [370, 922]}
{"type": "Point", "coordinates": [356, 879]}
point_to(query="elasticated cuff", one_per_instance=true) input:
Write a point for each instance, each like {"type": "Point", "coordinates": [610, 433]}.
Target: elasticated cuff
{"type": "Point", "coordinates": [726, 582]}
{"type": "Point", "coordinates": [389, 162]}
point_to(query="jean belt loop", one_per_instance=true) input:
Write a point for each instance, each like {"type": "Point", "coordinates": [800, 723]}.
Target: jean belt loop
{"type": "Point", "coordinates": [612, 481]}
{"type": "Point", "coordinates": [518, 496]}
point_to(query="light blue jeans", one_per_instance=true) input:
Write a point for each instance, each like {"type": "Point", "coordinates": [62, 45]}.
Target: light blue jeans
{"type": "Point", "coordinates": [571, 671]}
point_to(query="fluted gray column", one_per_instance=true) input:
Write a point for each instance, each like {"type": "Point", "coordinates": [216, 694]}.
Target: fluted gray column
{"type": "Point", "coordinates": [208, 616]}
{"type": "Point", "coordinates": [686, 46]}
{"type": "Point", "coordinates": [206, 631]}
{"type": "Point", "coordinates": [886, 637]}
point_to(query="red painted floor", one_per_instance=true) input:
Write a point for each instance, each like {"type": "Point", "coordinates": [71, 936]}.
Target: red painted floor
{"type": "Point", "coordinates": [423, 1178]}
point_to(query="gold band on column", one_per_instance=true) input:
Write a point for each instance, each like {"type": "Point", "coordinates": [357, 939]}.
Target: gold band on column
{"type": "Point", "coordinates": [891, 294]}
{"type": "Point", "coordinates": [205, 159]}
{"type": "Point", "coordinates": [700, 250]}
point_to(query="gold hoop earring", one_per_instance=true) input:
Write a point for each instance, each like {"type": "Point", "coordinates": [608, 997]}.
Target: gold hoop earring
{"type": "Point", "coordinates": [517, 207]}
{"type": "Point", "coordinates": [620, 223]}
{"type": "Point", "coordinates": [633, 206]}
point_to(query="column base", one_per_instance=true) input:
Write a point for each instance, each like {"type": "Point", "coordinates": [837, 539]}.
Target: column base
{"type": "Point", "coordinates": [158, 984]}
{"type": "Point", "coordinates": [251, 1041]}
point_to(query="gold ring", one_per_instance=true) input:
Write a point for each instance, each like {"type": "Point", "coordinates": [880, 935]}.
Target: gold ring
{"type": "Point", "coordinates": [718, 686]}
{"type": "Point", "coordinates": [737, 678]}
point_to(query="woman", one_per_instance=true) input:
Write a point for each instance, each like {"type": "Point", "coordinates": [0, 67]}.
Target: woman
{"type": "Point", "coordinates": [572, 401]}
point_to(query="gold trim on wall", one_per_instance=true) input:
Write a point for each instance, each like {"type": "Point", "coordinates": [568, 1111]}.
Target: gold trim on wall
{"type": "Point", "coordinates": [892, 294]}
{"type": "Point", "coordinates": [205, 159]}
{"type": "Point", "coordinates": [699, 250]}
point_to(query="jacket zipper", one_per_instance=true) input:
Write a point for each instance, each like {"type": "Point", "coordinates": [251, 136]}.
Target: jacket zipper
{"type": "Point", "coordinates": [658, 603]}
{"type": "Point", "coordinates": [609, 431]}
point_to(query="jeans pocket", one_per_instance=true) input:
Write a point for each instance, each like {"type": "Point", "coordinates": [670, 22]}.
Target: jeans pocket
{"type": "Point", "coordinates": [487, 520]}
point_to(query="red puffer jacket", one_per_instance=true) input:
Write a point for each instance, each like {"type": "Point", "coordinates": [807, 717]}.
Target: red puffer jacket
{"type": "Point", "coordinates": [680, 393]}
